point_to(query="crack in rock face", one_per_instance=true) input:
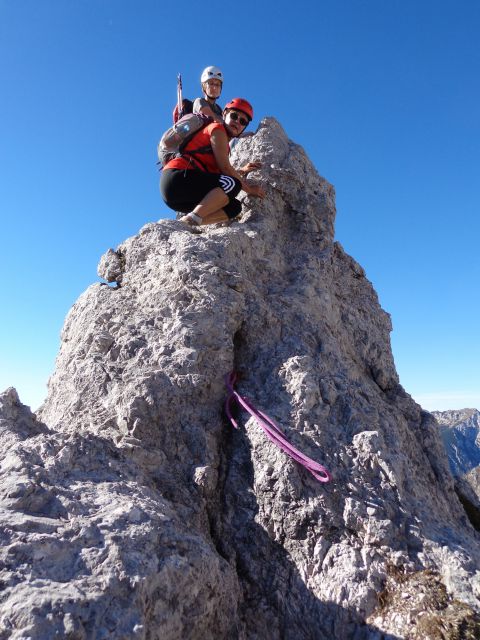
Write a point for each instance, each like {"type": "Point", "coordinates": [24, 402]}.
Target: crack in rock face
{"type": "Point", "coordinates": [132, 509]}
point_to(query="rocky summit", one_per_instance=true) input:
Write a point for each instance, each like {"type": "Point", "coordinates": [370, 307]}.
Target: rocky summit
{"type": "Point", "coordinates": [131, 509]}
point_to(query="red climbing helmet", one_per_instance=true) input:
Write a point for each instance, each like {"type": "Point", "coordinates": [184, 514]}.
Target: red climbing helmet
{"type": "Point", "coordinates": [239, 104]}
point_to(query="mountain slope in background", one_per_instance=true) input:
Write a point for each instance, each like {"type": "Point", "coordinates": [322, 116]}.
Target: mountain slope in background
{"type": "Point", "coordinates": [460, 432]}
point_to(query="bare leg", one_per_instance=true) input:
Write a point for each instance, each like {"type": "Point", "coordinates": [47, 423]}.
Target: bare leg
{"type": "Point", "coordinates": [211, 218]}
{"type": "Point", "coordinates": [210, 208]}
{"type": "Point", "coordinates": [215, 200]}
{"type": "Point", "coordinates": [215, 217]}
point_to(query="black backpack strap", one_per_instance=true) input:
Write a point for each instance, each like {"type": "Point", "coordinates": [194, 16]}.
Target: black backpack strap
{"type": "Point", "coordinates": [200, 151]}
{"type": "Point", "coordinates": [192, 157]}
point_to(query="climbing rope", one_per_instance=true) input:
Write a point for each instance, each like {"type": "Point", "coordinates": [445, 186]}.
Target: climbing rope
{"type": "Point", "coordinates": [272, 431]}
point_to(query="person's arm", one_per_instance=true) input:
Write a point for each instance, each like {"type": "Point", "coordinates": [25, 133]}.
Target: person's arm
{"type": "Point", "coordinates": [201, 105]}
{"type": "Point", "coordinates": [208, 112]}
{"type": "Point", "coordinates": [220, 148]}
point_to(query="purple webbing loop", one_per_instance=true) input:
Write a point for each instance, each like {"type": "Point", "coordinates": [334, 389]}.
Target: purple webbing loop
{"type": "Point", "coordinates": [272, 431]}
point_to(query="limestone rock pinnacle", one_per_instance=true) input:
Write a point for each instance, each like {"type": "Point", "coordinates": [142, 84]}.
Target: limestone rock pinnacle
{"type": "Point", "coordinates": [131, 509]}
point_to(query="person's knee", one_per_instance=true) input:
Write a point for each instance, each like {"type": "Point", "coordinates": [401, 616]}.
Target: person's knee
{"type": "Point", "coordinates": [230, 185]}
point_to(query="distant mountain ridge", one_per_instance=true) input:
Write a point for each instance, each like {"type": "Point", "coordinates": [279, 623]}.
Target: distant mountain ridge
{"type": "Point", "coordinates": [460, 432]}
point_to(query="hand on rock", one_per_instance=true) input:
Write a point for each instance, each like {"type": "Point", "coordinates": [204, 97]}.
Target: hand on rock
{"type": "Point", "coordinates": [250, 166]}
{"type": "Point", "coordinates": [256, 190]}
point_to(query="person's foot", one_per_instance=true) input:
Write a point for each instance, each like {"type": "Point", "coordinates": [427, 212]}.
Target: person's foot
{"type": "Point", "coordinates": [191, 223]}
{"type": "Point", "coordinates": [192, 218]}
{"type": "Point", "coordinates": [189, 219]}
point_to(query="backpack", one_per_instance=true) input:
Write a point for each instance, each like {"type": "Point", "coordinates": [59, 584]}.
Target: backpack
{"type": "Point", "coordinates": [175, 139]}
{"type": "Point", "coordinates": [187, 107]}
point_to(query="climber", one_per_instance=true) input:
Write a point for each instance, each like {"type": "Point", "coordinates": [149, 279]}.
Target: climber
{"type": "Point", "coordinates": [201, 182]}
{"type": "Point", "coordinates": [211, 82]}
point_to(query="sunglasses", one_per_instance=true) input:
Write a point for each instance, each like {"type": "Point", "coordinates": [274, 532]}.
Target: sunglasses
{"type": "Point", "coordinates": [235, 117]}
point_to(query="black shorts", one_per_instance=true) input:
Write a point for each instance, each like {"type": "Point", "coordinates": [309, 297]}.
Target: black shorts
{"type": "Point", "coordinates": [183, 189]}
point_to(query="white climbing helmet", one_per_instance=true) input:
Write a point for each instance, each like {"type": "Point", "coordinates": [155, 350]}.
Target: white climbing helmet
{"type": "Point", "coordinates": [211, 73]}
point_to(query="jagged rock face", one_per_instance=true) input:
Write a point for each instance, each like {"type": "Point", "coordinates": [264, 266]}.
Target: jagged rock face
{"type": "Point", "coordinates": [137, 512]}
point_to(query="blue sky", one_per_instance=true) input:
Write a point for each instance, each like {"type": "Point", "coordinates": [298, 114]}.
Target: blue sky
{"type": "Point", "coordinates": [383, 95]}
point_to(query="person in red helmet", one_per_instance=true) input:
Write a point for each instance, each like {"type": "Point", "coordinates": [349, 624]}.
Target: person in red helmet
{"type": "Point", "coordinates": [201, 182]}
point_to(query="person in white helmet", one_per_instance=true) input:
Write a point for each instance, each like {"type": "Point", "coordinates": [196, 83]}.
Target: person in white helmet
{"type": "Point", "coordinates": [212, 84]}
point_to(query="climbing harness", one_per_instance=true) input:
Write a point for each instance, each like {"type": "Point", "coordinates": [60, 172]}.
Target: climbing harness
{"type": "Point", "coordinates": [272, 431]}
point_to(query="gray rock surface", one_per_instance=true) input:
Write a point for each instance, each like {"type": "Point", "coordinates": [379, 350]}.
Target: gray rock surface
{"type": "Point", "coordinates": [131, 509]}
